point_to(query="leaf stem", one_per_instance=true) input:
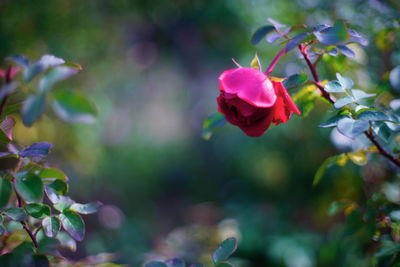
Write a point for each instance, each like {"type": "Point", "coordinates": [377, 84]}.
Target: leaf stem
{"type": "Point", "coordinates": [275, 61]}
{"type": "Point", "coordinates": [369, 134]}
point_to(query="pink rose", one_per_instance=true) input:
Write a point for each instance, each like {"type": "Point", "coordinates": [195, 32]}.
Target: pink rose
{"type": "Point", "coordinates": [251, 101]}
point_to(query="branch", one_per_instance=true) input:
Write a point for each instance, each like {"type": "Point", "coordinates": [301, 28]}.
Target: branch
{"type": "Point", "coordinates": [314, 73]}
{"type": "Point", "coordinates": [326, 95]}
{"type": "Point", "coordinates": [381, 150]}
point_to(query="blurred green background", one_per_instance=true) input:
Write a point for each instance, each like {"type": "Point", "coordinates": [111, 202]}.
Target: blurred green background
{"type": "Point", "coordinates": [151, 67]}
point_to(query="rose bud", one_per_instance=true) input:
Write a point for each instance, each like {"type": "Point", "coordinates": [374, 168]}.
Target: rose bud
{"type": "Point", "coordinates": [251, 101]}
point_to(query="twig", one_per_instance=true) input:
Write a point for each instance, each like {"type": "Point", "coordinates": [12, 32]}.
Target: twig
{"type": "Point", "coordinates": [25, 226]}
{"type": "Point", "coordinates": [381, 150]}
{"type": "Point", "coordinates": [326, 95]}
{"type": "Point", "coordinates": [314, 73]}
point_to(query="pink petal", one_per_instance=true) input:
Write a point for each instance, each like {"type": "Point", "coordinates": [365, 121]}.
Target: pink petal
{"type": "Point", "coordinates": [257, 129]}
{"type": "Point", "coordinates": [254, 125]}
{"type": "Point", "coordinates": [250, 85]}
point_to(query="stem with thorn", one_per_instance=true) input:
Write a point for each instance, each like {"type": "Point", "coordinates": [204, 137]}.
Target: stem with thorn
{"type": "Point", "coordinates": [369, 134]}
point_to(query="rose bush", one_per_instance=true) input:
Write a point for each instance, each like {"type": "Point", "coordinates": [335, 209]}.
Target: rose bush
{"type": "Point", "coordinates": [252, 101]}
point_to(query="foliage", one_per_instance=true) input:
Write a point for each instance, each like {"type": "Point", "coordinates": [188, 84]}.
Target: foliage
{"type": "Point", "coordinates": [38, 218]}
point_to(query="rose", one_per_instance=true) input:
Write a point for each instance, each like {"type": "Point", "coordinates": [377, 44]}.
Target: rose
{"type": "Point", "coordinates": [251, 101]}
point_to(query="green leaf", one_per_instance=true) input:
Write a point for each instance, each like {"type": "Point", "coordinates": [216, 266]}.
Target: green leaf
{"type": "Point", "coordinates": [334, 87]}
{"type": "Point", "coordinates": [214, 120]}
{"type": "Point", "coordinates": [21, 60]}
{"type": "Point", "coordinates": [332, 122]}
{"type": "Point", "coordinates": [305, 99]}
{"type": "Point", "coordinates": [33, 108]}
{"type": "Point", "coordinates": [3, 137]}
{"type": "Point", "coordinates": [59, 186]}
{"type": "Point", "coordinates": [387, 248]}
{"type": "Point", "coordinates": [40, 149]}
{"type": "Point", "coordinates": [73, 224]}
{"type": "Point", "coordinates": [16, 214]}
{"type": "Point", "coordinates": [347, 83]}
{"type": "Point", "coordinates": [41, 65]}
{"type": "Point", "coordinates": [156, 264]}
{"type": "Point", "coordinates": [355, 37]}
{"type": "Point", "coordinates": [340, 159]}
{"type": "Point", "coordinates": [51, 226]}
{"type": "Point", "coordinates": [5, 192]}
{"type": "Point", "coordinates": [88, 208]}
{"type": "Point", "coordinates": [38, 210]}
{"type": "Point", "coordinates": [333, 35]}
{"type": "Point", "coordinates": [66, 241]}
{"type": "Point", "coordinates": [260, 33]}
{"type": "Point", "coordinates": [295, 41]}
{"type": "Point", "coordinates": [32, 70]}
{"type": "Point", "coordinates": [346, 51]}
{"type": "Point", "coordinates": [255, 63]}
{"type": "Point", "coordinates": [225, 250]}
{"type": "Point", "coordinates": [295, 80]}
{"type": "Point", "coordinates": [29, 186]}
{"type": "Point", "coordinates": [73, 107]}
{"type": "Point", "coordinates": [52, 173]}
{"type": "Point", "coordinates": [55, 75]}
{"type": "Point", "coordinates": [359, 94]}
{"type": "Point", "coordinates": [341, 102]}
{"type": "Point", "coordinates": [372, 115]}
{"type": "Point", "coordinates": [352, 128]}
{"type": "Point", "coordinates": [7, 89]}
{"type": "Point", "coordinates": [62, 203]}
{"type": "Point", "coordinates": [382, 130]}
{"type": "Point", "coordinates": [13, 108]}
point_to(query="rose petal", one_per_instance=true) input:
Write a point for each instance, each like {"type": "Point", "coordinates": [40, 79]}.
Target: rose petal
{"type": "Point", "coordinates": [284, 105]}
{"type": "Point", "coordinates": [244, 108]}
{"type": "Point", "coordinates": [258, 128]}
{"type": "Point", "coordinates": [254, 125]}
{"type": "Point", "coordinates": [250, 85]}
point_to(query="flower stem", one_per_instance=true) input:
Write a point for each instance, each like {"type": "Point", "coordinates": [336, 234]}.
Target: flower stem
{"type": "Point", "coordinates": [275, 61]}
{"type": "Point", "coordinates": [369, 134]}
